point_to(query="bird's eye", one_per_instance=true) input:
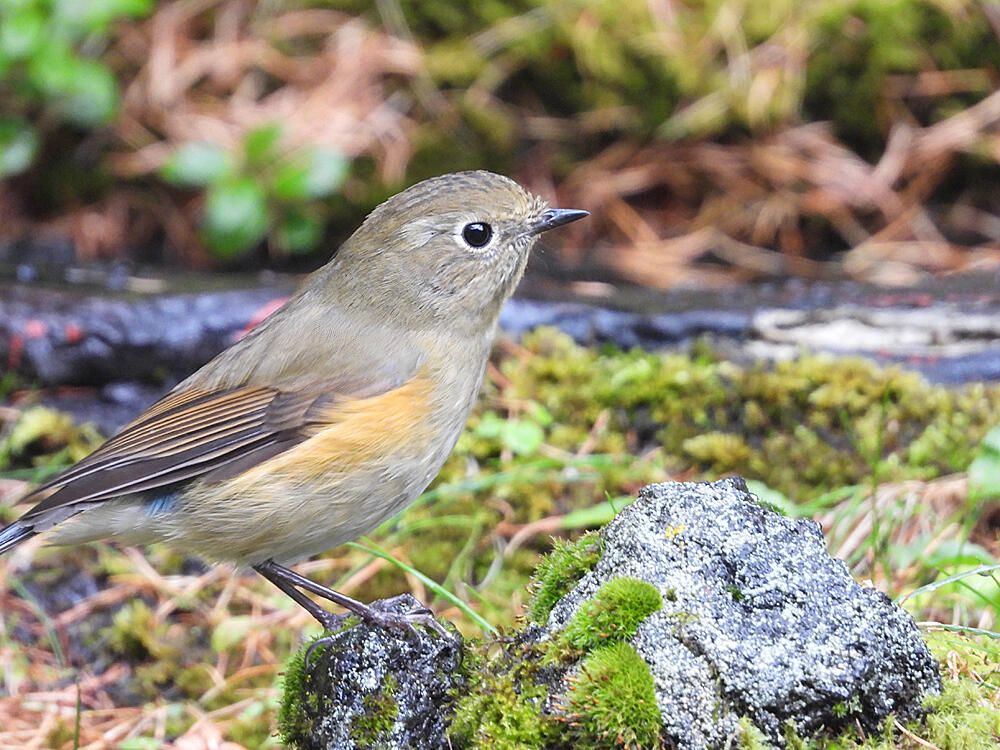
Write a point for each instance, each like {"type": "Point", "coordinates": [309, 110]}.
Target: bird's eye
{"type": "Point", "coordinates": [477, 234]}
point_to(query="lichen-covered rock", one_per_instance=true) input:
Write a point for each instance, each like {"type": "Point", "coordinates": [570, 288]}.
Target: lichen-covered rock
{"type": "Point", "coordinates": [757, 620]}
{"type": "Point", "coordinates": [369, 687]}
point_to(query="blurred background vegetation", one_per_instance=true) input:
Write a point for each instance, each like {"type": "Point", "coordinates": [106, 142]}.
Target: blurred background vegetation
{"type": "Point", "coordinates": [713, 139]}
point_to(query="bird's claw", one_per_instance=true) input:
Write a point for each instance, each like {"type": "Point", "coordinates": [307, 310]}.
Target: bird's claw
{"type": "Point", "coordinates": [409, 620]}
{"type": "Point", "coordinates": [334, 623]}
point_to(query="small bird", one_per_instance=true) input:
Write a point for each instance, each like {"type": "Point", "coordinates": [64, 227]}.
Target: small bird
{"type": "Point", "coordinates": [329, 417]}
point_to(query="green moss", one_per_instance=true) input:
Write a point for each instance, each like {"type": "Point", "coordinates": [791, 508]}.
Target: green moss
{"type": "Point", "coordinates": [502, 711]}
{"type": "Point", "coordinates": [803, 427]}
{"type": "Point", "coordinates": [966, 716]}
{"type": "Point", "coordinates": [751, 738]}
{"type": "Point", "coordinates": [612, 615]}
{"type": "Point", "coordinates": [253, 726]}
{"type": "Point", "coordinates": [847, 52]}
{"type": "Point", "coordinates": [379, 710]}
{"type": "Point", "coordinates": [505, 704]}
{"type": "Point", "coordinates": [42, 437]}
{"type": "Point", "coordinates": [558, 572]}
{"type": "Point", "coordinates": [294, 725]}
{"type": "Point", "coordinates": [612, 703]}
{"type": "Point", "coordinates": [136, 634]}
{"type": "Point", "coordinates": [961, 719]}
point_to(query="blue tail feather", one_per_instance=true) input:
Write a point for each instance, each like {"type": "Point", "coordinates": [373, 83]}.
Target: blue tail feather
{"type": "Point", "coordinates": [13, 535]}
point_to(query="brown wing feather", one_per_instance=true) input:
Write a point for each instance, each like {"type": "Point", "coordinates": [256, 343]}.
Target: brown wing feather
{"type": "Point", "coordinates": [214, 435]}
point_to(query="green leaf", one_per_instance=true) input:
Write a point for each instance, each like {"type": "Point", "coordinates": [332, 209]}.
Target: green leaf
{"type": "Point", "coordinates": [539, 414]}
{"type": "Point", "coordinates": [298, 233]}
{"type": "Point", "coordinates": [596, 515]}
{"type": "Point", "coordinates": [139, 743]}
{"type": "Point", "coordinates": [230, 631]}
{"type": "Point", "coordinates": [18, 146]}
{"type": "Point", "coordinates": [98, 15]}
{"type": "Point", "coordinates": [92, 94]}
{"type": "Point", "coordinates": [291, 183]}
{"type": "Point", "coordinates": [321, 174]}
{"type": "Point", "coordinates": [260, 144]}
{"type": "Point", "coordinates": [327, 172]}
{"type": "Point", "coordinates": [984, 471]}
{"type": "Point", "coordinates": [50, 70]}
{"type": "Point", "coordinates": [196, 164]}
{"type": "Point", "coordinates": [771, 497]}
{"type": "Point", "coordinates": [21, 33]}
{"type": "Point", "coordinates": [521, 436]}
{"type": "Point", "coordinates": [235, 217]}
{"type": "Point", "coordinates": [490, 426]}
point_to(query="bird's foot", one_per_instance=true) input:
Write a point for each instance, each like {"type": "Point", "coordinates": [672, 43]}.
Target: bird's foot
{"type": "Point", "coordinates": [387, 618]}
{"type": "Point", "coordinates": [381, 616]}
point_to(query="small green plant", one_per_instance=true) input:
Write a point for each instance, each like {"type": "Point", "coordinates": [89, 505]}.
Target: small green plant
{"type": "Point", "coordinates": [558, 572]}
{"type": "Point", "coordinates": [266, 191]}
{"type": "Point", "coordinates": [45, 438]}
{"type": "Point", "coordinates": [984, 471]}
{"type": "Point", "coordinates": [522, 436]}
{"type": "Point", "coordinates": [50, 71]}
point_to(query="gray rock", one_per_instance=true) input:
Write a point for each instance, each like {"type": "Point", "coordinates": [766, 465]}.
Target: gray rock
{"type": "Point", "coordinates": [378, 687]}
{"type": "Point", "coordinates": [758, 620]}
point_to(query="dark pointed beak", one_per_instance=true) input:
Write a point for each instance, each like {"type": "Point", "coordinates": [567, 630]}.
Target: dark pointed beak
{"type": "Point", "coordinates": [556, 217]}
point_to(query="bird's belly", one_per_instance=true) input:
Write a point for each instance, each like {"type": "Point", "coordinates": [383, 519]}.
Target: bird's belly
{"type": "Point", "coordinates": [289, 517]}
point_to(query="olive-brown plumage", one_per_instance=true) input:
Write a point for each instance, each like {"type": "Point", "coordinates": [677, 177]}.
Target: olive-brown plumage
{"type": "Point", "coordinates": [330, 416]}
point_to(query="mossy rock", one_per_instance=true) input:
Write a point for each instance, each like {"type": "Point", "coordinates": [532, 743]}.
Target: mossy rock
{"type": "Point", "coordinates": [370, 687]}
{"type": "Point", "coordinates": [513, 699]}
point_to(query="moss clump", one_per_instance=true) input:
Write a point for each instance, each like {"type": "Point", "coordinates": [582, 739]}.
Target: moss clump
{"type": "Point", "coordinates": [294, 725]}
{"type": "Point", "coordinates": [558, 572]}
{"type": "Point", "coordinates": [609, 704]}
{"type": "Point", "coordinates": [502, 711]}
{"type": "Point", "coordinates": [966, 716]}
{"type": "Point", "coordinates": [612, 703]}
{"type": "Point", "coordinates": [372, 726]}
{"type": "Point", "coordinates": [751, 738]}
{"type": "Point", "coordinates": [612, 615]}
{"type": "Point", "coordinates": [962, 718]}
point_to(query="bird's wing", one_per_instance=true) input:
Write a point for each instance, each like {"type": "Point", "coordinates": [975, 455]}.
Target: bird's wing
{"type": "Point", "coordinates": [213, 434]}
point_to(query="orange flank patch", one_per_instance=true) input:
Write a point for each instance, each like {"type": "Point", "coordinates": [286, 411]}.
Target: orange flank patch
{"type": "Point", "coordinates": [356, 431]}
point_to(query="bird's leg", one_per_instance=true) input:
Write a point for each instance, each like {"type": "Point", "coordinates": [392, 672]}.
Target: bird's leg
{"type": "Point", "coordinates": [329, 620]}
{"type": "Point", "coordinates": [290, 582]}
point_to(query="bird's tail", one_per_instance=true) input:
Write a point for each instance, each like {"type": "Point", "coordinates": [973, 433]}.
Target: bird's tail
{"type": "Point", "coordinates": [13, 535]}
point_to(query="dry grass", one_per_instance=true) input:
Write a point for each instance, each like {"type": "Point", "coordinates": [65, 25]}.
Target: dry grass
{"type": "Point", "coordinates": [798, 191]}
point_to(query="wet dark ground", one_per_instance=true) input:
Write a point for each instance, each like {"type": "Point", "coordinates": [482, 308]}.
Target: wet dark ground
{"type": "Point", "coordinates": [106, 340]}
